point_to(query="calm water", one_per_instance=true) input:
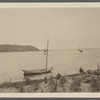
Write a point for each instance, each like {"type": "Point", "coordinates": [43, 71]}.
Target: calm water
{"type": "Point", "coordinates": [63, 61]}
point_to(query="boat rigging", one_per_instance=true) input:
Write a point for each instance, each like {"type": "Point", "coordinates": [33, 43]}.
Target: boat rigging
{"type": "Point", "coordinates": [40, 71]}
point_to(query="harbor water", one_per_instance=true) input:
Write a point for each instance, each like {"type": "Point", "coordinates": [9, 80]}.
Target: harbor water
{"type": "Point", "coordinates": [63, 61]}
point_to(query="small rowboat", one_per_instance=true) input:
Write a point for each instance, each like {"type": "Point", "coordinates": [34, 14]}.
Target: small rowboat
{"type": "Point", "coordinates": [37, 71]}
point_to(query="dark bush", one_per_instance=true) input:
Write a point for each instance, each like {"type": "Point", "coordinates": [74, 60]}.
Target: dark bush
{"type": "Point", "coordinates": [95, 85]}
{"type": "Point", "coordinates": [81, 70]}
{"type": "Point", "coordinates": [75, 85]}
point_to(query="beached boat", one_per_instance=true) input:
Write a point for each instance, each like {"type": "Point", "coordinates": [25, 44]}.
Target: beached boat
{"type": "Point", "coordinates": [40, 71]}
{"type": "Point", "coordinates": [37, 71]}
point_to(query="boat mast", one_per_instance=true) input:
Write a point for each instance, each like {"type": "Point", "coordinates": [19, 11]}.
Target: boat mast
{"type": "Point", "coordinates": [79, 48]}
{"type": "Point", "coordinates": [47, 53]}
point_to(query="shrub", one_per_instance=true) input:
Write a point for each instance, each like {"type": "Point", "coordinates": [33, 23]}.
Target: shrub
{"type": "Point", "coordinates": [81, 70]}
{"type": "Point", "coordinates": [95, 85]}
{"type": "Point", "coordinates": [75, 85]}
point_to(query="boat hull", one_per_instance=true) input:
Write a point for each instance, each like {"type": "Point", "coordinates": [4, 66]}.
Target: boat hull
{"type": "Point", "coordinates": [35, 72]}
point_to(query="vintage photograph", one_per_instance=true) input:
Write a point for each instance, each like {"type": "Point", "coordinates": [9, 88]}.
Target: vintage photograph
{"type": "Point", "coordinates": [49, 50]}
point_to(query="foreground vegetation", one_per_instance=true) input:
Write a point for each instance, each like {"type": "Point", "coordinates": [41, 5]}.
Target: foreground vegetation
{"type": "Point", "coordinates": [88, 81]}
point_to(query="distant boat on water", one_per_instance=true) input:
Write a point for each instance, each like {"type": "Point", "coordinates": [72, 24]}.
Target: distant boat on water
{"type": "Point", "coordinates": [40, 71]}
{"type": "Point", "coordinates": [80, 50]}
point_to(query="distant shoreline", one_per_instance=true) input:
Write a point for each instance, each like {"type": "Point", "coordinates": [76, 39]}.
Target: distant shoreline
{"type": "Point", "coordinates": [29, 48]}
{"type": "Point", "coordinates": [17, 48]}
{"type": "Point", "coordinates": [74, 49]}
{"type": "Point", "coordinates": [48, 50]}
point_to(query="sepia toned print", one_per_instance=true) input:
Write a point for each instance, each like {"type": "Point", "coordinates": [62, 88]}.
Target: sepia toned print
{"type": "Point", "coordinates": [49, 50]}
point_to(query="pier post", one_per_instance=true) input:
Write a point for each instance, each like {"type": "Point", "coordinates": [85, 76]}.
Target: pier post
{"type": "Point", "coordinates": [10, 79]}
{"type": "Point", "coordinates": [45, 80]}
{"type": "Point", "coordinates": [98, 67]}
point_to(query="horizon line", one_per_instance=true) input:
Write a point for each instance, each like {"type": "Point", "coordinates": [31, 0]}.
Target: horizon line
{"type": "Point", "coordinates": [74, 49]}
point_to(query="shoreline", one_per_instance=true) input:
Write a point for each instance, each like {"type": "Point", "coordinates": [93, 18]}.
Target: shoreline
{"type": "Point", "coordinates": [81, 82]}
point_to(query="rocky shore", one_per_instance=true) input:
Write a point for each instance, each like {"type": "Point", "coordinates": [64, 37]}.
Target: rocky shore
{"type": "Point", "coordinates": [88, 81]}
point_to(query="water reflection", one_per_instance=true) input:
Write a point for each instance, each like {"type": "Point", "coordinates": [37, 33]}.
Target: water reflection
{"type": "Point", "coordinates": [37, 77]}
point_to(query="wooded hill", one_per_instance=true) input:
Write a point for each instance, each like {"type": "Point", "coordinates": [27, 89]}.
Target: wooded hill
{"type": "Point", "coordinates": [17, 48]}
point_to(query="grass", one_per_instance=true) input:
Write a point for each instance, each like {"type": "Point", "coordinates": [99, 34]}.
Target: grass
{"type": "Point", "coordinates": [54, 83]}
{"type": "Point", "coordinates": [20, 85]}
{"type": "Point", "coordinates": [75, 85]}
{"type": "Point", "coordinates": [95, 84]}
{"type": "Point", "coordinates": [8, 84]}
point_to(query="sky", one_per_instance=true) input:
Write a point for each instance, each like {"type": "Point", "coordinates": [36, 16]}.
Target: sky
{"type": "Point", "coordinates": [66, 28]}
